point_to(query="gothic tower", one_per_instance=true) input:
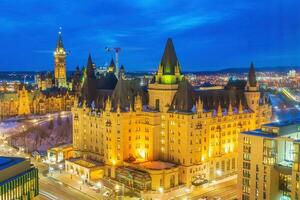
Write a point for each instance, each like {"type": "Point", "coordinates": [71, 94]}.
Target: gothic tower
{"type": "Point", "coordinates": [60, 63]}
{"type": "Point", "coordinates": [165, 83]}
{"type": "Point", "coordinates": [24, 107]}
{"type": "Point", "coordinates": [252, 93]}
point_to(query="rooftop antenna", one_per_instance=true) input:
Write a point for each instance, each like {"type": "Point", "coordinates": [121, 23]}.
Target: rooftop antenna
{"type": "Point", "coordinates": [60, 29]}
{"type": "Point", "coordinates": [60, 32]}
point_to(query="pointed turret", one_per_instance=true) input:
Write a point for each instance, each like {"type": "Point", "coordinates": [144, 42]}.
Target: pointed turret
{"type": "Point", "coordinates": [240, 108]}
{"type": "Point", "coordinates": [59, 43]}
{"type": "Point", "coordinates": [138, 103]}
{"type": "Point", "coordinates": [88, 87]}
{"type": "Point", "coordinates": [122, 94]}
{"type": "Point", "coordinates": [169, 68]}
{"type": "Point", "coordinates": [219, 110]}
{"type": "Point", "coordinates": [230, 110]}
{"type": "Point", "coordinates": [90, 70]}
{"type": "Point", "coordinates": [121, 72]}
{"type": "Point", "coordinates": [169, 60]}
{"type": "Point", "coordinates": [75, 102]}
{"type": "Point", "coordinates": [199, 106]}
{"type": "Point", "coordinates": [183, 100]}
{"type": "Point", "coordinates": [252, 93]}
{"type": "Point", "coordinates": [108, 104]}
{"type": "Point", "coordinates": [112, 66]}
{"type": "Point", "coordinates": [251, 76]}
{"type": "Point", "coordinates": [118, 107]}
{"type": "Point", "coordinates": [84, 104]}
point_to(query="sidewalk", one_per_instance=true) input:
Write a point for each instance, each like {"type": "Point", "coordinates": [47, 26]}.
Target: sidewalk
{"type": "Point", "coordinates": [231, 180]}
{"type": "Point", "coordinates": [77, 184]}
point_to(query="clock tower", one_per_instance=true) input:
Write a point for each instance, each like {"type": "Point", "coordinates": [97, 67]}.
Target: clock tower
{"type": "Point", "coordinates": [60, 63]}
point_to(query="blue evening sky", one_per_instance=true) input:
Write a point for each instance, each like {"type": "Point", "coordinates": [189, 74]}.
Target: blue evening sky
{"type": "Point", "coordinates": [207, 34]}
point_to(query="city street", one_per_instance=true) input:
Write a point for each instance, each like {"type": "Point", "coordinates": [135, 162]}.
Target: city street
{"type": "Point", "coordinates": [50, 189]}
{"type": "Point", "coordinates": [224, 189]}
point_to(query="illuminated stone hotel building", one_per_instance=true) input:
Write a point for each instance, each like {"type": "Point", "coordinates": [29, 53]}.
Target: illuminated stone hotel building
{"type": "Point", "coordinates": [167, 133]}
{"type": "Point", "coordinates": [18, 179]}
{"type": "Point", "coordinates": [269, 162]}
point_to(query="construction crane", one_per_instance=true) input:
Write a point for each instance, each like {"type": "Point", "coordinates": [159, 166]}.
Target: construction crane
{"type": "Point", "coordinates": [116, 50]}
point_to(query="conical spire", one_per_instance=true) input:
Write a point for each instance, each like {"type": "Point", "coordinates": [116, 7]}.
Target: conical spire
{"type": "Point", "coordinates": [199, 106]}
{"type": "Point", "coordinates": [112, 63]}
{"type": "Point", "coordinates": [108, 104]}
{"type": "Point", "coordinates": [59, 41]}
{"type": "Point", "coordinates": [184, 98]}
{"type": "Point", "coordinates": [121, 72]}
{"type": "Point", "coordinates": [138, 103]}
{"type": "Point", "coordinates": [122, 94]}
{"type": "Point", "coordinates": [240, 107]}
{"type": "Point", "coordinates": [219, 109]}
{"type": "Point", "coordinates": [169, 59]}
{"type": "Point", "coordinates": [251, 76]}
{"type": "Point", "coordinates": [118, 106]}
{"type": "Point", "coordinates": [90, 72]}
{"type": "Point", "coordinates": [112, 66]}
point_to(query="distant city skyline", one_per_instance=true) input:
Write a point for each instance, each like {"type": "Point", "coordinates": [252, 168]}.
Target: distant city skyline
{"type": "Point", "coordinates": [208, 35]}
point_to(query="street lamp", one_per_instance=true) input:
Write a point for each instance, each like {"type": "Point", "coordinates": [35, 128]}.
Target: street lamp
{"type": "Point", "coordinates": [60, 166]}
{"type": "Point", "coordinates": [50, 170]}
{"type": "Point", "coordinates": [80, 182]}
{"type": "Point", "coordinates": [117, 188]}
{"type": "Point", "coordinates": [99, 185]}
{"type": "Point", "coordinates": [83, 178]}
{"type": "Point", "coordinates": [71, 172]}
{"type": "Point", "coordinates": [219, 172]}
{"type": "Point", "coordinates": [161, 190]}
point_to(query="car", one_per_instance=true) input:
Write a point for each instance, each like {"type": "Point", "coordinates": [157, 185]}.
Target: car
{"type": "Point", "coordinates": [106, 194]}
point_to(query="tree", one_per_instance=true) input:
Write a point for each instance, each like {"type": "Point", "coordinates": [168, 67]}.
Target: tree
{"type": "Point", "coordinates": [51, 124]}
{"type": "Point", "coordinates": [59, 120]}
{"type": "Point", "coordinates": [68, 121]}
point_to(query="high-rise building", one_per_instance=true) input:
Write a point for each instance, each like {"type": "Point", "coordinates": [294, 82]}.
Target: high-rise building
{"type": "Point", "coordinates": [269, 162]}
{"type": "Point", "coordinates": [18, 179]}
{"type": "Point", "coordinates": [166, 134]}
{"type": "Point", "coordinates": [60, 63]}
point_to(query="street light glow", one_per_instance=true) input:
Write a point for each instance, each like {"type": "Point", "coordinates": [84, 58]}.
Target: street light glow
{"type": "Point", "coordinates": [161, 190]}
{"type": "Point", "coordinates": [99, 184]}
{"type": "Point", "coordinates": [117, 187]}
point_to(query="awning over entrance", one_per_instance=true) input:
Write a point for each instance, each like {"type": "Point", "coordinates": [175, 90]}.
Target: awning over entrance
{"type": "Point", "coordinates": [134, 178]}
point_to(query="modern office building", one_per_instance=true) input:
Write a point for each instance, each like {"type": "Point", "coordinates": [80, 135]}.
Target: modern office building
{"type": "Point", "coordinates": [18, 179]}
{"type": "Point", "coordinates": [166, 133]}
{"type": "Point", "coordinates": [269, 162]}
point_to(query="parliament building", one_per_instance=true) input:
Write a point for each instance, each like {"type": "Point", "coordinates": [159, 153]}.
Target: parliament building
{"type": "Point", "coordinates": [51, 94]}
{"type": "Point", "coordinates": [163, 135]}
